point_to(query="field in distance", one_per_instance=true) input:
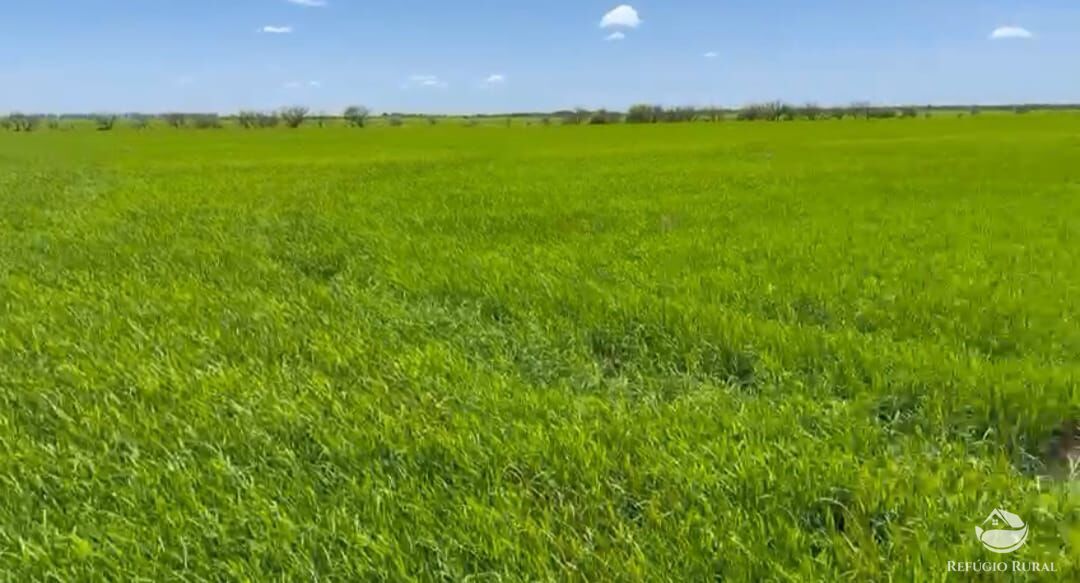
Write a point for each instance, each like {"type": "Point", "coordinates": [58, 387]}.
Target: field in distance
{"type": "Point", "coordinates": [735, 351]}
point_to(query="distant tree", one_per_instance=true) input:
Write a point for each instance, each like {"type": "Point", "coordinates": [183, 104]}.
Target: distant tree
{"type": "Point", "coordinates": [909, 112]}
{"type": "Point", "coordinates": [268, 120]}
{"type": "Point", "coordinates": [679, 114]}
{"type": "Point", "coordinates": [644, 113]}
{"type": "Point", "coordinates": [357, 115]}
{"type": "Point", "coordinates": [105, 121]}
{"type": "Point", "coordinates": [882, 113]}
{"type": "Point", "coordinates": [602, 117]}
{"type": "Point", "coordinates": [139, 121]}
{"type": "Point", "coordinates": [545, 121]}
{"type": "Point", "coordinates": [576, 117]}
{"type": "Point", "coordinates": [861, 109]}
{"type": "Point", "coordinates": [248, 119]}
{"type": "Point", "coordinates": [769, 111]}
{"type": "Point", "coordinates": [206, 121]}
{"type": "Point", "coordinates": [432, 120]}
{"type": "Point", "coordinates": [712, 113]}
{"type": "Point", "coordinates": [395, 121]}
{"type": "Point", "coordinates": [294, 116]}
{"type": "Point", "coordinates": [175, 120]}
{"type": "Point", "coordinates": [53, 122]}
{"type": "Point", "coordinates": [20, 122]}
{"type": "Point", "coordinates": [812, 111]}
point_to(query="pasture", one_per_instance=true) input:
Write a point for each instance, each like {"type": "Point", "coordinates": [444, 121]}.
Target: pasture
{"type": "Point", "coordinates": [732, 351]}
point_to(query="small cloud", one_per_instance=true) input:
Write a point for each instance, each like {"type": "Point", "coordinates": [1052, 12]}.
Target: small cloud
{"type": "Point", "coordinates": [276, 29]}
{"type": "Point", "coordinates": [711, 55]}
{"type": "Point", "coordinates": [615, 36]}
{"type": "Point", "coordinates": [302, 84]}
{"type": "Point", "coordinates": [495, 79]}
{"type": "Point", "coordinates": [1005, 32]}
{"type": "Point", "coordinates": [623, 15]}
{"type": "Point", "coordinates": [308, 3]}
{"type": "Point", "coordinates": [425, 81]}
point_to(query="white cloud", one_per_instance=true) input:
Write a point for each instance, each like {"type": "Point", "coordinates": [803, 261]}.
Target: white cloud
{"type": "Point", "coordinates": [495, 79]}
{"type": "Point", "coordinates": [623, 15]}
{"type": "Point", "coordinates": [711, 55]}
{"type": "Point", "coordinates": [309, 3]}
{"type": "Point", "coordinates": [425, 81]}
{"type": "Point", "coordinates": [1010, 32]}
{"type": "Point", "coordinates": [615, 36]}
{"type": "Point", "coordinates": [277, 29]}
{"type": "Point", "coordinates": [301, 84]}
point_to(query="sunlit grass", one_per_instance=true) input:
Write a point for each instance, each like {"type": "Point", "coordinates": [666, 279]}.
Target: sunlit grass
{"type": "Point", "coordinates": [748, 351]}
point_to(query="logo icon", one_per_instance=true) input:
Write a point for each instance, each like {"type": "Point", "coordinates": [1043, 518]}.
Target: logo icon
{"type": "Point", "coordinates": [1007, 532]}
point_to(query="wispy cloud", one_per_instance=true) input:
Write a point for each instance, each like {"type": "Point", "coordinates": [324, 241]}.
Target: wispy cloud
{"type": "Point", "coordinates": [308, 3]}
{"type": "Point", "coordinates": [302, 84]}
{"type": "Point", "coordinates": [615, 36]}
{"type": "Point", "coordinates": [623, 15]}
{"type": "Point", "coordinates": [426, 81]}
{"type": "Point", "coordinates": [1006, 32]}
{"type": "Point", "coordinates": [711, 55]}
{"type": "Point", "coordinates": [269, 29]}
{"type": "Point", "coordinates": [495, 79]}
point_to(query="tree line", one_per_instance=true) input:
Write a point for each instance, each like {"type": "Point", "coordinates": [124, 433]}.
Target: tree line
{"type": "Point", "coordinates": [358, 116]}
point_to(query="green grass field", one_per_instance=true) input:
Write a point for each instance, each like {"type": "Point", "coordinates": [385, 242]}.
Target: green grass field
{"type": "Point", "coordinates": [807, 351]}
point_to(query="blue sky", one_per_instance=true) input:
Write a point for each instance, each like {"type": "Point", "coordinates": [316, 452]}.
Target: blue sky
{"type": "Point", "coordinates": [515, 55]}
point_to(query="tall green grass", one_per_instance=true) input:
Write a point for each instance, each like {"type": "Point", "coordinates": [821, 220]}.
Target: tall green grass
{"type": "Point", "coordinates": [799, 351]}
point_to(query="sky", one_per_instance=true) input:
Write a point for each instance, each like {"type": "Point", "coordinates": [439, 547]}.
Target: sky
{"type": "Point", "coordinates": [473, 56]}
